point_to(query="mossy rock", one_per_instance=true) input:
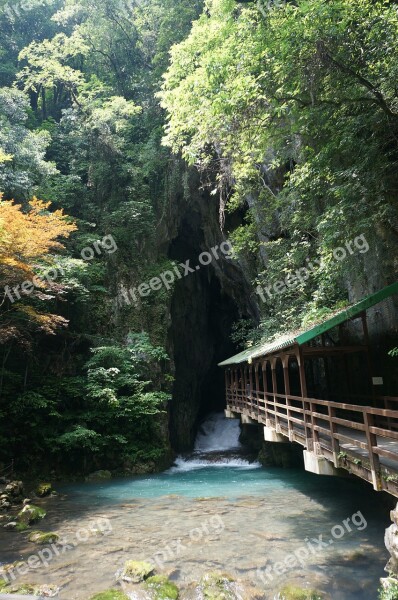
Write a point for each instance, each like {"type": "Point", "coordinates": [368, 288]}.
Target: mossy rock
{"type": "Point", "coordinates": [30, 514]}
{"type": "Point", "coordinates": [136, 571]}
{"type": "Point", "coordinates": [99, 475]}
{"type": "Point", "coordinates": [162, 588]}
{"type": "Point", "coordinates": [25, 589]}
{"type": "Point", "coordinates": [41, 537]}
{"type": "Point", "coordinates": [217, 586]}
{"type": "Point", "coordinates": [291, 592]}
{"type": "Point", "coordinates": [21, 527]}
{"type": "Point", "coordinates": [3, 584]}
{"type": "Point", "coordinates": [43, 489]}
{"type": "Point", "coordinates": [110, 595]}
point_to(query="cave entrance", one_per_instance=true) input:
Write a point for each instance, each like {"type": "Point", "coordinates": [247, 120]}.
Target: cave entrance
{"type": "Point", "coordinates": [202, 314]}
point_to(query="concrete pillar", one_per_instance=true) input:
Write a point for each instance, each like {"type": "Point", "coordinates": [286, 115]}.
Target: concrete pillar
{"type": "Point", "coordinates": [246, 420]}
{"type": "Point", "coordinates": [313, 463]}
{"type": "Point", "coordinates": [230, 414]}
{"type": "Point", "coordinates": [270, 435]}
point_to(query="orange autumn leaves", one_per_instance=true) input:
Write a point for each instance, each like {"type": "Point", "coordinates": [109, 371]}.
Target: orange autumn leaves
{"type": "Point", "coordinates": [32, 235]}
{"type": "Point", "coordinates": [26, 239]}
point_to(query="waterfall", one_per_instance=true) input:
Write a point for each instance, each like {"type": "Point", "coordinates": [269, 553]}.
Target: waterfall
{"type": "Point", "coordinates": [217, 445]}
{"type": "Point", "coordinates": [218, 434]}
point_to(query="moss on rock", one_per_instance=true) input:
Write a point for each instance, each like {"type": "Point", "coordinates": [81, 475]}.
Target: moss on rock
{"type": "Point", "coordinates": [291, 592]}
{"type": "Point", "coordinates": [217, 586]}
{"type": "Point", "coordinates": [30, 514]}
{"type": "Point", "coordinates": [41, 537]}
{"type": "Point", "coordinates": [162, 588]}
{"type": "Point", "coordinates": [24, 589]}
{"type": "Point", "coordinates": [43, 489]}
{"type": "Point", "coordinates": [99, 475]}
{"type": "Point", "coordinates": [3, 584]}
{"type": "Point", "coordinates": [136, 571]}
{"type": "Point", "coordinates": [110, 595]}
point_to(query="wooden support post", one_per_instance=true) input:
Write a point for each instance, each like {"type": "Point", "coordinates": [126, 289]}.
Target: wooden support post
{"type": "Point", "coordinates": [242, 389]}
{"type": "Point", "coordinates": [265, 386]}
{"type": "Point", "coordinates": [373, 458]}
{"type": "Point", "coordinates": [250, 367]}
{"type": "Point", "coordinates": [306, 405]}
{"type": "Point", "coordinates": [227, 387]}
{"type": "Point", "coordinates": [274, 392]}
{"type": "Point", "coordinates": [369, 360]}
{"type": "Point", "coordinates": [287, 393]}
{"type": "Point", "coordinates": [326, 367]}
{"type": "Point", "coordinates": [257, 366]}
{"type": "Point", "coordinates": [335, 441]}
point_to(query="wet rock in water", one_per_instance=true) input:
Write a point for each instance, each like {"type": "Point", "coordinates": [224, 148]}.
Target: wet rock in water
{"type": "Point", "coordinates": [43, 489]}
{"type": "Point", "coordinates": [221, 586]}
{"type": "Point", "coordinates": [99, 475]}
{"type": "Point", "coordinates": [30, 514]}
{"type": "Point", "coordinates": [46, 591]}
{"type": "Point", "coordinates": [42, 537]}
{"type": "Point", "coordinates": [10, 525]}
{"type": "Point", "coordinates": [15, 491]}
{"type": "Point", "coordinates": [291, 592]}
{"type": "Point", "coordinates": [136, 571]}
{"type": "Point", "coordinates": [26, 501]}
{"type": "Point", "coordinates": [161, 588]}
{"type": "Point", "coordinates": [5, 519]}
{"type": "Point", "coordinates": [389, 588]}
{"type": "Point", "coordinates": [110, 595]}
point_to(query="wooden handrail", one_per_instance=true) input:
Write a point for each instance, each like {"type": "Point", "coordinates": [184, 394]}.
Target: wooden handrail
{"type": "Point", "coordinates": [298, 416]}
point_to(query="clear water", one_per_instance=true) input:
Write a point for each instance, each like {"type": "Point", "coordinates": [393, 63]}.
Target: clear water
{"type": "Point", "coordinates": [213, 511]}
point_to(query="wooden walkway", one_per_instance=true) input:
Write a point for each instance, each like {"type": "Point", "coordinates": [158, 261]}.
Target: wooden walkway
{"type": "Point", "coordinates": [360, 439]}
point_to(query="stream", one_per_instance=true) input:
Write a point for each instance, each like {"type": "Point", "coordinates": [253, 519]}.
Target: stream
{"type": "Point", "coordinates": [215, 510]}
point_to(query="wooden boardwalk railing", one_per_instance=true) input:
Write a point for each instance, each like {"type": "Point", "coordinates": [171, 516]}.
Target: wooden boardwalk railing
{"type": "Point", "coordinates": [361, 439]}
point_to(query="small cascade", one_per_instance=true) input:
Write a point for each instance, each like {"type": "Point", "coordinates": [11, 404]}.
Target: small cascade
{"type": "Point", "coordinates": [217, 445]}
{"type": "Point", "coordinates": [218, 434]}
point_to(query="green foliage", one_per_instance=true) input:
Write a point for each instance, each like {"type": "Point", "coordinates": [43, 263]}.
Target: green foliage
{"type": "Point", "coordinates": [84, 131]}
{"type": "Point", "coordinates": [294, 108]}
{"type": "Point", "coordinates": [390, 592]}
{"type": "Point", "coordinates": [24, 150]}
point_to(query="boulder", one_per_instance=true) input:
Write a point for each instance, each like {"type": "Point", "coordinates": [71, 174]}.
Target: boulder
{"type": "Point", "coordinates": [136, 571]}
{"type": "Point", "coordinates": [218, 586]}
{"type": "Point", "coordinates": [391, 542]}
{"type": "Point", "coordinates": [99, 475]}
{"type": "Point", "coordinates": [110, 595]}
{"type": "Point", "coordinates": [15, 490]}
{"type": "Point", "coordinates": [221, 586]}
{"type": "Point", "coordinates": [389, 588]}
{"type": "Point", "coordinates": [41, 537]}
{"type": "Point", "coordinates": [161, 588]}
{"type": "Point", "coordinates": [24, 589]}
{"type": "Point", "coordinates": [291, 592]}
{"type": "Point", "coordinates": [43, 489]}
{"type": "Point", "coordinates": [30, 514]}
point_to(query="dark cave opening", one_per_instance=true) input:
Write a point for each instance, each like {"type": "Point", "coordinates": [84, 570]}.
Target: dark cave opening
{"type": "Point", "coordinates": [203, 310]}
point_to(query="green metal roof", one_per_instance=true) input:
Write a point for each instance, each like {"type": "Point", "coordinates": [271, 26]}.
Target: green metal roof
{"type": "Point", "coordinates": [305, 335]}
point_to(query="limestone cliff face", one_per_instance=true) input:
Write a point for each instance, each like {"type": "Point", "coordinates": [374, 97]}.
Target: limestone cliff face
{"type": "Point", "coordinates": [203, 308]}
{"type": "Point", "coordinates": [193, 319]}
